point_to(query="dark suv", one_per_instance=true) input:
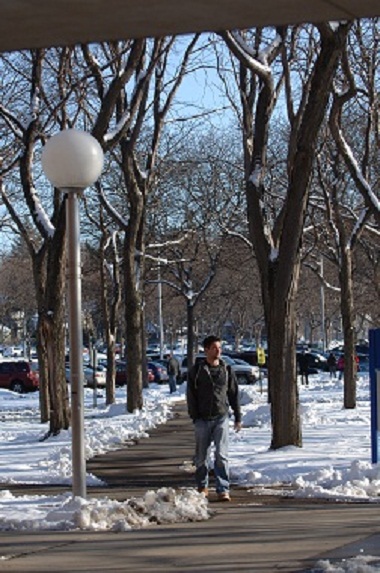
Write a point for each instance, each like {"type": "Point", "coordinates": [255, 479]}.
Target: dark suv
{"type": "Point", "coordinates": [18, 376]}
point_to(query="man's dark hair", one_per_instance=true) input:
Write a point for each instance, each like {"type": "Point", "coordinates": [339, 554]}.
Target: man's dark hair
{"type": "Point", "coordinates": [210, 340]}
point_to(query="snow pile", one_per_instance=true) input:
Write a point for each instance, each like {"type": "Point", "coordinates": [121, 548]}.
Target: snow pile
{"type": "Point", "coordinates": [359, 564]}
{"type": "Point", "coordinates": [65, 512]}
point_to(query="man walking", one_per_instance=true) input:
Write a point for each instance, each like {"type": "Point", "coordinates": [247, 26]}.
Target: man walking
{"type": "Point", "coordinates": [303, 366]}
{"type": "Point", "coordinates": [173, 372]}
{"type": "Point", "coordinates": [331, 363]}
{"type": "Point", "coordinates": [211, 388]}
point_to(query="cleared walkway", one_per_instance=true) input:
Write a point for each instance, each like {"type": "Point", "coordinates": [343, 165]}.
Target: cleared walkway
{"type": "Point", "coordinates": [252, 533]}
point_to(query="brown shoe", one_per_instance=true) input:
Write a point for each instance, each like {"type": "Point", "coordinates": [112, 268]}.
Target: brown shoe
{"type": "Point", "coordinates": [224, 496]}
{"type": "Point", "coordinates": [203, 490]}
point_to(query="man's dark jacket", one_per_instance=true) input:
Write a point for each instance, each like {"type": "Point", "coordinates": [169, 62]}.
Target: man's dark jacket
{"type": "Point", "coordinates": [209, 398]}
{"type": "Point", "coordinates": [173, 366]}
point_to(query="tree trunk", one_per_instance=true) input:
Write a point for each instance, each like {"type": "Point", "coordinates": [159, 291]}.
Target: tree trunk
{"type": "Point", "coordinates": [282, 368]}
{"type": "Point", "coordinates": [347, 310]}
{"type": "Point", "coordinates": [145, 381]}
{"type": "Point", "coordinates": [43, 372]}
{"type": "Point", "coordinates": [133, 277]}
{"type": "Point", "coordinates": [39, 277]}
{"type": "Point", "coordinates": [49, 279]}
{"type": "Point", "coordinates": [190, 334]}
{"type": "Point", "coordinates": [110, 311]}
{"type": "Point", "coordinates": [111, 368]}
{"type": "Point", "coordinates": [279, 258]}
{"type": "Point", "coordinates": [53, 327]}
{"type": "Point", "coordinates": [133, 322]}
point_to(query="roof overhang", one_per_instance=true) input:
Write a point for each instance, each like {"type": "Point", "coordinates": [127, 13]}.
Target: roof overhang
{"type": "Point", "coordinates": [26, 24]}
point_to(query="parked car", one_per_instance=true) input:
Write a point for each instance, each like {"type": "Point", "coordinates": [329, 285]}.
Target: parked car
{"type": "Point", "coordinates": [100, 376]}
{"type": "Point", "coordinates": [316, 362]}
{"type": "Point", "coordinates": [245, 373]}
{"type": "Point", "coordinates": [18, 376]}
{"type": "Point", "coordinates": [159, 371]}
{"type": "Point", "coordinates": [363, 365]}
{"type": "Point", "coordinates": [88, 376]}
{"type": "Point", "coordinates": [362, 349]}
{"type": "Point", "coordinates": [249, 356]}
{"type": "Point", "coordinates": [121, 374]}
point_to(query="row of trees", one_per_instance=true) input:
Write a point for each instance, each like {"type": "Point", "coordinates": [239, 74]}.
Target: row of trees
{"type": "Point", "coordinates": [292, 161]}
{"type": "Point", "coordinates": [231, 305]}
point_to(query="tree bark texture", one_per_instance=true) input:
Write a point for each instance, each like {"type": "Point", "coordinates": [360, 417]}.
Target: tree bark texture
{"type": "Point", "coordinates": [49, 278]}
{"type": "Point", "coordinates": [53, 327]}
{"type": "Point", "coordinates": [134, 327]}
{"type": "Point", "coordinates": [347, 310]}
{"type": "Point", "coordinates": [190, 334]}
{"type": "Point", "coordinates": [133, 273]}
{"type": "Point", "coordinates": [110, 309]}
{"type": "Point", "coordinates": [278, 246]}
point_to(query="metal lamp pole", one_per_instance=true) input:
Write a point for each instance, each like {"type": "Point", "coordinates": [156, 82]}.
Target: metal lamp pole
{"type": "Point", "coordinates": [72, 160]}
{"type": "Point", "coordinates": [75, 342]}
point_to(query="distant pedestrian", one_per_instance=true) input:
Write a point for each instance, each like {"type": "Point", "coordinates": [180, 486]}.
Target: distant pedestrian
{"type": "Point", "coordinates": [303, 367]}
{"type": "Point", "coordinates": [340, 366]}
{"type": "Point", "coordinates": [173, 373]}
{"type": "Point", "coordinates": [331, 363]}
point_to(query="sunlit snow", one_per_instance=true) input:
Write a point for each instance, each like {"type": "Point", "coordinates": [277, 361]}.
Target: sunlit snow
{"type": "Point", "coordinates": [334, 462]}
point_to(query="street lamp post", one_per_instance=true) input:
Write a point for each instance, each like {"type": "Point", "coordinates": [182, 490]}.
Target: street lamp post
{"type": "Point", "coordinates": [73, 160]}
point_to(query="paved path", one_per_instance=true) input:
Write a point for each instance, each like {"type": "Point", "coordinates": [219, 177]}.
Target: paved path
{"type": "Point", "coordinates": [252, 533]}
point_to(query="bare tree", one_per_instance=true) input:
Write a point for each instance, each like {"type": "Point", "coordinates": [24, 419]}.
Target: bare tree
{"type": "Point", "coordinates": [189, 270]}
{"type": "Point", "coordinates": [45, 240]}
{"type": "Point", "coordinates": [277, 240]}
{"type": "Point", "coordinates": [150, 100]}
{"type": "Point", "coordinates": [361, 65]}
{"type": "Point", "coordinates": [345, 229]}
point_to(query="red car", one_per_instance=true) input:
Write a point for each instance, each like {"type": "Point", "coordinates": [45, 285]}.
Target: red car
{"type": "Point", "coordinates": [18, 376]}
{"type": "Point", "coordinates": [121, 374]}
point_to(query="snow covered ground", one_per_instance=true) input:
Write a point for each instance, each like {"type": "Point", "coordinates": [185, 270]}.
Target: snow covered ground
{"type": "Point", "coordinates": [334, 462]}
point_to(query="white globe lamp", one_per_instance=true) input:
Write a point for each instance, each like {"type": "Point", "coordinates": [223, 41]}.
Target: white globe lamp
{"type": "Point", "coordinates": [72, 159]}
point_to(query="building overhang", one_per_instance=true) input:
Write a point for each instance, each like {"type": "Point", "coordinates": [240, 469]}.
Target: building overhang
{"type": "Point", "coordinates": [26, 24]}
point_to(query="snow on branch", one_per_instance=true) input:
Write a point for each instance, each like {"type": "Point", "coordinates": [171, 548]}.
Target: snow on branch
{"type": "Point", "coordinates": [114, 245]}
{"type": "Point", "coordinates": [111, 241]}
{"type": "Point", "coordinates": [166, 282]}
{"type": "Point", "coordinates": [109, 268]}
{"type": "Point", "coordinates": [41, 214]}
{"type": "Point", "coordinates": [244, 53]}
{"type": "Point", "coordinates": [358, 176]}
{"type": "Point", "coordinates": [14, 125]}
{"type": "Point", "coordinates": [358, 227]}
{"type": "Point", "coordinates": [34, 107]}
{"type": "Point", "coordinates": [318, 272]}
{"type": "Point", "coordinates": [266, 54]}
{"type": "Point", "coordinates": [256, 175]}
{"type": "Point", "coordinates": [115, 215]}
{"type": "Point", "coordinates": [239, 236]}
{"type": "Point", "coordinates": [110, 135]}
{"type": "Point", "coordinates": [164, 261]}
{"type": "Point", "coordinates": [168, 243]}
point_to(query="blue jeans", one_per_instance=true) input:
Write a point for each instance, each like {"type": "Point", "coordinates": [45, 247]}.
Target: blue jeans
{"type": "Point", "coordinates": [206, 432]}
{"type": "Point", "coordinates": [172, 383]}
